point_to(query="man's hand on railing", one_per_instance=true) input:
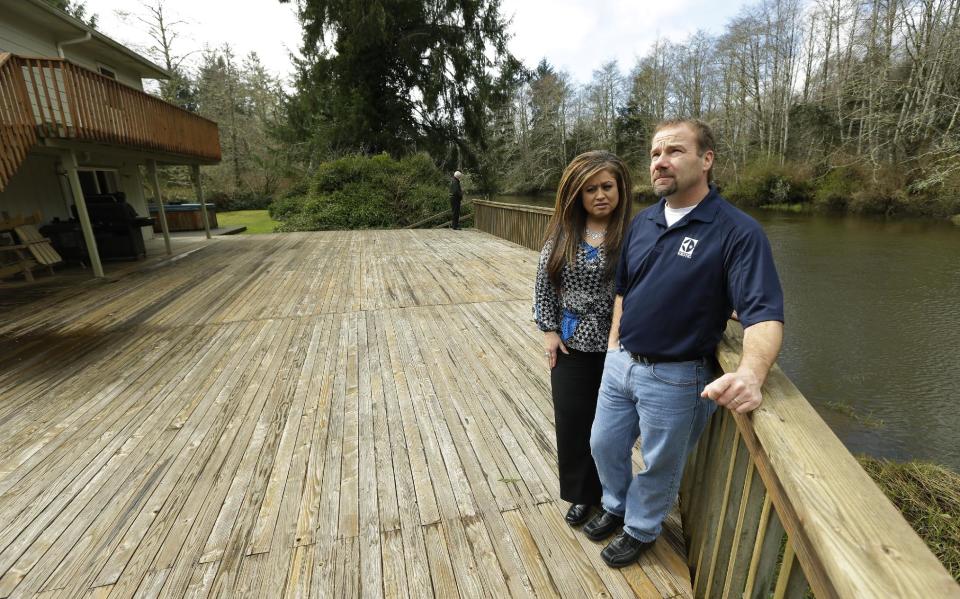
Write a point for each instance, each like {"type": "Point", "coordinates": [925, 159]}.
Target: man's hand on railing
{"type": "Point", "coordinates": [740, 390]}
{"type": "Point", "coordinates": [737, 391]}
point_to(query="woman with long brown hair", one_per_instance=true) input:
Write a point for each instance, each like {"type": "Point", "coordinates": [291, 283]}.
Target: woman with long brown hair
{"type": "Point", "coordinates": [573, 306]}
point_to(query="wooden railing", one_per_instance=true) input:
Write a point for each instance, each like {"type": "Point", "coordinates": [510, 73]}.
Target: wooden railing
{"type": "Point", "coordinates": [523, 225]}
{"type": "Point", "coordinates": [431, 221]}
{"type": "Point", "coordinates": [17, 133]}
{"type": "Point", "coordinates": [54, 98]}
{"type": "Point", "coordinates": [773, 503]}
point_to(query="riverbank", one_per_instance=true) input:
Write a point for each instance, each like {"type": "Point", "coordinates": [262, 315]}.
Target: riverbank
{"type": "Point", "coordinates": [928, 496]}
{"type": "Point", "coordinates": [643, 196]}
{"type": "Point", "coordinates": [812, 209]}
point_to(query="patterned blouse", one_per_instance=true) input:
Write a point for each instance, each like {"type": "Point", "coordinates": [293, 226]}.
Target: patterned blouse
{"type": "Point", "coordinates": [582, 310]}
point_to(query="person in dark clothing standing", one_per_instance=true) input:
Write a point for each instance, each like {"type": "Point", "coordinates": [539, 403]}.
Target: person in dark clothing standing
{"type": "Point", "coordinates": [686, 262]}
{"type": "Point", "coordinates": [456, 196]}
{"type": "Point", "coordinates": [573, 305]}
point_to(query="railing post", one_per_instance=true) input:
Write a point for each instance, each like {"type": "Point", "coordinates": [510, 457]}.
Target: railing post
{"type": "Point", "coordinates": [70, 163]}
{"type": "Point", "coordinates": [195, 170]}
{"type": "Point", "coordinates": [843, 537]}
{"type": "Point", "coordinates": [155, 184]}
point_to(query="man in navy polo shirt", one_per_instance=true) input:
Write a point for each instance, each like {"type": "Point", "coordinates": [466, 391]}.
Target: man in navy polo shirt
{"type": "Point", "coordinates": [686, 263]}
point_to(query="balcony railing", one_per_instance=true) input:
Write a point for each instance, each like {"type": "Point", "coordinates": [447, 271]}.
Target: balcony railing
{"type": "Point", "coordinates": [54, 98]}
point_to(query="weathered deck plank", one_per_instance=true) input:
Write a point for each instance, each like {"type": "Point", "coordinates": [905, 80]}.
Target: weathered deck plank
{"type": "Point", "coordinates": [303, 415]}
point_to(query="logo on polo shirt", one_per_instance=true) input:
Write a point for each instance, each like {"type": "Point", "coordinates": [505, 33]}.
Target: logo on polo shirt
{"type": "Point", "coordinates": [687, 247]}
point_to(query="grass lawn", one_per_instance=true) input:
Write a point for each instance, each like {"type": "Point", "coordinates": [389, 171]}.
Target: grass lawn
{"type": "Point", "coordinates": [256, 221]}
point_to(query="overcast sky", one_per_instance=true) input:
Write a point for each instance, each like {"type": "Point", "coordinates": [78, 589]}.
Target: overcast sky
{"type": "Point", "coordinates": [574, 35]}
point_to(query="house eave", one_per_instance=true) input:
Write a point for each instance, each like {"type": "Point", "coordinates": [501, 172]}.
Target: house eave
{"type": "Point", "coordinates": [73, 28]}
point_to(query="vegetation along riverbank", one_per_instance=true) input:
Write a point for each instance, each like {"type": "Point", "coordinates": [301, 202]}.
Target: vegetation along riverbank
{"type": "Point", "coordinates": [838, 106]}
{"type": "Point", "coordinates": [928, 496]}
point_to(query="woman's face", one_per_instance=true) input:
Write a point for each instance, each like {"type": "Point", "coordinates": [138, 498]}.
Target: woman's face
{"type": "Point", "coordinates": [600, 195]}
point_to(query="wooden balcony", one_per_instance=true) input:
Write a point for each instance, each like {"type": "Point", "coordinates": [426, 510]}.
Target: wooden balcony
{"type": "Point", "coordinates": [56, 99]}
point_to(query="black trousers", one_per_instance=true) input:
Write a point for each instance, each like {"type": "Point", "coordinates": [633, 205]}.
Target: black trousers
{"type": "Point", "coordinates": [575, 382]}
{"type": "Point", "coordinates": [455, 206]}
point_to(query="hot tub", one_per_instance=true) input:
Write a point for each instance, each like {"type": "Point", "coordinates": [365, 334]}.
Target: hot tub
{"type": "Point", "coordinates": [183, 217]}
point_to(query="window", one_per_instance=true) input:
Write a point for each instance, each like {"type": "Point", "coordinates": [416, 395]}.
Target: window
{"type": "Point", "coordinates": [108, 72]}
{"type": "Point", "coordinates": [107, 181]}
{"type": "Point", "coordinates": [88, 183]}
{"type": "Point", "coordinates": [95, 182]}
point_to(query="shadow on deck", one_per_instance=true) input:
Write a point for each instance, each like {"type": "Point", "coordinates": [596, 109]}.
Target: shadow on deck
{"type": "Point", "coordinates": [324, 414]}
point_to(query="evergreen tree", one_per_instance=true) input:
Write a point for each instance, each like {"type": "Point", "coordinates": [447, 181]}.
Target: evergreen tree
{"type": "Point", "coordinates": [245, 101]}
{"type": "Point", "coordinates": [76, 9]}
{"type": "Point", "coordinates": [401, 75]}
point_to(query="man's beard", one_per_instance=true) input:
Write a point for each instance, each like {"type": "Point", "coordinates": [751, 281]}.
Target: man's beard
{"type": "Point", "coordinates": [666, 189]}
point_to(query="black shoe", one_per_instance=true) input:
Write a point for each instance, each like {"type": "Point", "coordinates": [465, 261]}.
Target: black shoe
{"type": "Point", "coordinates": [577, 514]}
{"type": "Point", "coordinates": [602, 526]}
{"type": "Point", "coordinates": [624, 550]}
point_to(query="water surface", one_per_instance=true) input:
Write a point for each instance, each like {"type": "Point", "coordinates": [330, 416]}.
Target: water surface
{"type": "Point", "coordinates": [873, 327]}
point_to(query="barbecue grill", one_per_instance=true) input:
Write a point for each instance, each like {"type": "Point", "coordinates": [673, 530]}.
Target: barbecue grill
{"type": "Point", "coordinates": [116, 227]}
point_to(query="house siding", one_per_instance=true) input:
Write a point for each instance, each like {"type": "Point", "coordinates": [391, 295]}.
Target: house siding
{"type": "Point", "coordinates": [19, 36]}
{"type": "Point", "coordinates": [35, 186]}
{"type": "Point", "coordinates": [38, 186]}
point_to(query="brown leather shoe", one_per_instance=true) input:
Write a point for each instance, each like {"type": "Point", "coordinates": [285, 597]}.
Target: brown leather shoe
{"type": "Point", "coordinates": [602, 526]}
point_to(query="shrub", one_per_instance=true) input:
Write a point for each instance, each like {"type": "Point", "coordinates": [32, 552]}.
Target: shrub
{"type": "Point", "coordinates": [766, 182]}
{"type": "Point", "coordinates": [285, 207]}
{"type": "Point", "coordinates": [879, 200]}
{"type": "Point", "coordinates": [883, 192]}
{"type": "Point", "coordinates": [643, 193]}
{"type": "Point", "coordinates": [300, 188]}
{"type": "Point", "coordinates": [835, 189]}
{"type": "Point", "coordinates": [362, 192]}
{"type": "Point", "coordinates": [937, 193]}
{"type": "Point", "coordinates": [227, 202]}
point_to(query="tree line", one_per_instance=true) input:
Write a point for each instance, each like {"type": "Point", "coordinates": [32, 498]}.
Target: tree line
{"type": "Point", "coordinates": [849, 104]}
{"type": "Point", "coordinates": [245, 99]}
{"type": "Point", "coordinates": [842, 103]}
{"type": "Point", "coordinates": [829, 97]}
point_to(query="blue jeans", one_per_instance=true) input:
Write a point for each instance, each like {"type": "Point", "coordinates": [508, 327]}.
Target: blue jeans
{"type": "Point", "coordinates": [661, 404]}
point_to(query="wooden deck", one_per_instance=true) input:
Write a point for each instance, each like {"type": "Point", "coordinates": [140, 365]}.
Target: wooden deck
{"type": "Point", "coordinates": [320, 414]}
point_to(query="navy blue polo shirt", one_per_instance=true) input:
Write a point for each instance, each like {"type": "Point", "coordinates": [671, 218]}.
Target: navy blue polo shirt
{"type": "Point", "coordinates": [690, 276]}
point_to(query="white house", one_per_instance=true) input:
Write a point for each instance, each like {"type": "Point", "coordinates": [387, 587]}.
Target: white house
{"type": "Point", "coordinates": [75, 122]}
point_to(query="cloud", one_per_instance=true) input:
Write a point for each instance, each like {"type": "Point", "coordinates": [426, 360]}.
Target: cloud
{"type": "Point", "coordinates": [574, 35]}
{"type": "Point", "coordinates": [265, 26]}
{"type": "Point", "coordinates": [578, 36]}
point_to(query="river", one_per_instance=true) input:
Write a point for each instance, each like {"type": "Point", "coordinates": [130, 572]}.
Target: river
{"type": "Point", "coordinates": [873, 328]}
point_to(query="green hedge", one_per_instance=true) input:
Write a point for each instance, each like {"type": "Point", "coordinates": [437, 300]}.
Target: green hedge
{"type": "Point", "coordinates": [228, 202]}
{"type": "Point", "coordinates": [365, 192]}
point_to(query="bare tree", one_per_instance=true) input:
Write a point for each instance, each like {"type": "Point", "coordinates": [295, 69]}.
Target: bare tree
{"type": "Point", "coordinates": [605, 95]}
{"type": "Point", "coordinates": [163, 29]}
{"type": "Point", "coordinates": [868, 84]}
